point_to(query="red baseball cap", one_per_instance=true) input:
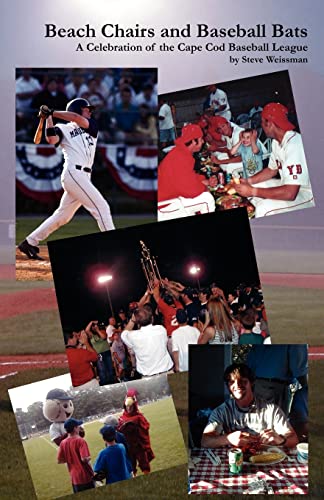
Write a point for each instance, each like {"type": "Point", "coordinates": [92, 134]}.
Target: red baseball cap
{"type": "Point", "coordinates": [277, 113]}
{"type": "Point", "coordinates": [217, 121]}
{"type": "Point", "coordinates": [190, 132]}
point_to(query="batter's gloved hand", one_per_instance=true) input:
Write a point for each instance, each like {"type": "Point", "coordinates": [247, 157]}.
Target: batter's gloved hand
{"type": "Point", "coordinates": [45, 111]}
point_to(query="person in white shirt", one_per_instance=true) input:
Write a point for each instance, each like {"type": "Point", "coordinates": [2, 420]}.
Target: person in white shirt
{"type": "Point", "coordinates": [166, 124]}
{"type": "Point", "coordinates": [181, 338]}
{"type": "Point", "coordinates": [219, 103]}
{"type": "Point", "coordinates": [149, 343]}
{"type": "Point", "coordinates": [292, 191]}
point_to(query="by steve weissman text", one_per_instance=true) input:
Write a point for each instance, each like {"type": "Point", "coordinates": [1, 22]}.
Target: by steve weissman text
{"type": "Point", "coordinates": [261, 43]}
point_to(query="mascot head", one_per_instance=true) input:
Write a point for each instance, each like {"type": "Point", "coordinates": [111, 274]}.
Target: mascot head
{"type": "Point", "coordinates": [58, 406]}
{"type": "Point", "coordinates": [131, 404]}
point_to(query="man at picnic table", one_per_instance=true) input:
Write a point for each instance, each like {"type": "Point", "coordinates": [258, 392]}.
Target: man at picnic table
{"type": "Point", "coordinates": [244, 420]}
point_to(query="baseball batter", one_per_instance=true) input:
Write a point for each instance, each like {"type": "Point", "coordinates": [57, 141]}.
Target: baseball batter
{"type": "Point", "coordinates": [293, 190]}
{"type": "Point", "coordinates": [78, 140]}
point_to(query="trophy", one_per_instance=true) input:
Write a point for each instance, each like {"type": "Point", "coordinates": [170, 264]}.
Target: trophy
{"type": "Point", "coordinates": [149, 265]}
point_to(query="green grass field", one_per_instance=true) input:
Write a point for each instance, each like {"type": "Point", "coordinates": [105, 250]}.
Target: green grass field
{"type": "Point", "coordinates": [79, 225]}
{"type": "Point", "coordinates": [294, 314]}
{"type": "Point", "coordinates": [52, 480]}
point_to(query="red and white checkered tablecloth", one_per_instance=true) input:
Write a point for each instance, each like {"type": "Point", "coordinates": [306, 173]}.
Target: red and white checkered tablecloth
{"type": "Point", "coordinates": [285, 478]}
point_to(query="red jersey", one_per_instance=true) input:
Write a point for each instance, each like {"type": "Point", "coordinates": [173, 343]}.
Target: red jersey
{"type": "Point", "coordinates": [169, 315]}
{"type": "Point", "coordinates": [79, 364]}
{"type": "Point", "coordinates": [71, 451]}
{"type": "Point", "coordinates": [177, 176]}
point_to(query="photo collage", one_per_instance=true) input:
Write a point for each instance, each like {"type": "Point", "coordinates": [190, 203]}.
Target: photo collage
{"type": "Point", "coordinates": [136, 213]}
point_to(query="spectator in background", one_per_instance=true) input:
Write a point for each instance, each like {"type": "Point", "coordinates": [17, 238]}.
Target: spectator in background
{"type": "Point", "coordinates": [149, 343]}
{"type": "Point", "coordinates": [51, 96]}
{"type": "Point", "coordinates": [275, 369]}
{"type": "Point", "coordinates": [110, 330]}
{"type": "Point", "coordinates": [147, 97]}
{"type": "Point", "coordinates": [81, 360]}
{"type": "Point", "coordinates": [74, 452]}
{"type": "Point", "coordinates": [118, 354]}
{"type": "Point", "coordinates": [166, 124]}
{"type": "Point", "coordinates": [233, 302]}
{"type": "Point", "coordinates": [218, 102]}
{"type": "Point", "coordinates": [126, 116]}
{"type": "Point", "coordinates": [220, 326]}
{"type": "Point", "coordinates": [76, 87]}
{"type": "Point", "coordinates": [192, 307]}
{"type": "Point", "coordinates": [247, 320]}
{"type": "Point", "coordinates": [181, 338]}
{"type": "Point", "coordinates": [26, 88]}
{"type": "Point", "coordinates": [97, 335]}
{"type": "Point", "coordinates": [146, 127]}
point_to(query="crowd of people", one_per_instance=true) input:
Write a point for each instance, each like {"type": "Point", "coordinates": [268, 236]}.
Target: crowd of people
{"type": "Point", "coordinates": [126, 446]}
{"type": "Point", "coordinates": [125, 101]}
{"type": "Point", "coordinates": [152, 335]}
{"type": "Point", "coordinates": [214, 152]}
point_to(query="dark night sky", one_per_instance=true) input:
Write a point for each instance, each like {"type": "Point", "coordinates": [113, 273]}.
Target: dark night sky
{"type": "Point", "coordinates": [220, 243]}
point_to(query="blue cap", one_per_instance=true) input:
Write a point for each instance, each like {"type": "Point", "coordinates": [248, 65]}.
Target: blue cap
{"type": "Point", "coordinates": [58, 394]}
{"type": "Point", "coordinates": [71, 423]}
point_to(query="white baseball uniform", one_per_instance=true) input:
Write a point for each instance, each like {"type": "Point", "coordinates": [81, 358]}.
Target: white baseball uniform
{"type": "Point", "coordinates": [184, 207]}
{"type": "Point", "coordinates": [218, 99]}
{"type": "Point", "coordinates": [288, 158]}
{"type": "Point", "coordinates": [79, 146]}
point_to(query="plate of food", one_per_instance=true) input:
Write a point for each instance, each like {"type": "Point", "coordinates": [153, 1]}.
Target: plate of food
{"type": "Point", "coordinates": [263, 456]}
{"type": "Point", "coordinates": [228, 201]}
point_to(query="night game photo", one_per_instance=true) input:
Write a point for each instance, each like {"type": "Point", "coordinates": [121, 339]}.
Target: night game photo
{"type": "Point", "coordinates": [132, 300]}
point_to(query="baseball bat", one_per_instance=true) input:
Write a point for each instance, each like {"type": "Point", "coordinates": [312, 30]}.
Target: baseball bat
{"type": "Point", "coordinates": [39, 131]}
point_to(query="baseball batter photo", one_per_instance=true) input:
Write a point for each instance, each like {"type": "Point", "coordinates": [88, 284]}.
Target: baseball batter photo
{"type": "Point", "coordinates": [86, 156]}
{"type": "Point", "coordinates": [78, 139]}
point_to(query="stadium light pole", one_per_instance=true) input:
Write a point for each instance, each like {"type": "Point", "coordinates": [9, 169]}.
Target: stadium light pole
{"type": "Point", "coordinates": [194, 270]}
{"type": "Point", "coordinates": [104, 280]}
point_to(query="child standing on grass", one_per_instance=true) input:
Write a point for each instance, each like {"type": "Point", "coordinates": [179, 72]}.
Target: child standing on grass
{"type": "Point", "coordinates": [251, 150]}
{"type": "Point", "coordinates": [74, 452]}
{"type": "Point", "coordinates": [112, 461]}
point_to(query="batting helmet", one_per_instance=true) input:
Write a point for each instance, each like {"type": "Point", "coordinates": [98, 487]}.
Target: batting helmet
{"type": "Point", "coordinates": [76, 105]}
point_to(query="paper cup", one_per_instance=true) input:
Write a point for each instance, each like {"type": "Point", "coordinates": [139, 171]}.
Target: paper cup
{"type": "Point", "coordinates": [302, 453]}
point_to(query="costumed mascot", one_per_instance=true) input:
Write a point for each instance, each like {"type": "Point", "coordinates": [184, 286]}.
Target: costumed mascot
{"type": "Point", "coordinates": [135, 428]}
{"type": "Point", "coordinates": [58, 407]}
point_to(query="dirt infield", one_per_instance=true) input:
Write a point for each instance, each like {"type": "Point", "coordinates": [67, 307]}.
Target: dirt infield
{"type": "Point", "coordinates": [315, 281]}
{"type": "Point", "coordinates": [33, 270]}
{"type": "Point", "coordinates": [10, 365]}
{"type": "Point", "coordinates": [22, 302]}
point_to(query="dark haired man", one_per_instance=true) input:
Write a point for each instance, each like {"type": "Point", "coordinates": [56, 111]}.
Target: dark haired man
{"type": "Point", "coordinates": [78, 140]}
{"type": "Point", "coordinates": [244, 419]}
{"type": "Point", "coordinates": [293, 190]}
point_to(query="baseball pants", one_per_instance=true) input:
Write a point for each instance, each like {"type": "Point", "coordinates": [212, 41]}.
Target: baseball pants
{"type": "Point", "coordinates": [78, 191]}
{"type": "Point", "coordinates": [184, 207]}
{"type": "Point", "coordinates": [265, 207]}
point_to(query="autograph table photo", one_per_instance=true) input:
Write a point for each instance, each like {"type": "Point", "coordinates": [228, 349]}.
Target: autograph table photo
{"type": "Point", "coordinates": [210, 473]}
